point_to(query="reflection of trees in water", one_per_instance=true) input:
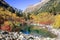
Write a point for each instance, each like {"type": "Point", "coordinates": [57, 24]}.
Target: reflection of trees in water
{"type": "Point", "coordinates": [26, 28]}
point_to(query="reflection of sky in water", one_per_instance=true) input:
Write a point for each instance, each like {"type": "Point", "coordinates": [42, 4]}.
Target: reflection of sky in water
{"type": "Point", "coordinates": [25, 31]}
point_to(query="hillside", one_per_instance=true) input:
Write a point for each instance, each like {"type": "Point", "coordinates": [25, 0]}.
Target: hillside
{"type": "Point", "coordinates": [46, 12]}
{"type": "Point", "coordinates": [6, 6]}
{"type": "Point", "coordinates": [10, 19]}
{"type": "Point", "coordinates": [36, 6]}
{"type": "Point", "coordinates": [44, 6]}
{"type": "Point", "coordinates": [51, 6]}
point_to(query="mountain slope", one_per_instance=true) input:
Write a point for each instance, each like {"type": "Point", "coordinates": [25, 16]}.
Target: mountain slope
{"type": "Point", "coordinates": [36, 6]}
{"type": "Point", "coordinates": [6, 6]}
{"type": "Point", "coordinates": [52, 5]}
{"type": "Point", "coordinates": [45, 6]}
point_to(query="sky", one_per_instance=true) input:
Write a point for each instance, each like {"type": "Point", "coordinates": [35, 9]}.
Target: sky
{"type": "Point", "coordinates": [21, 4]}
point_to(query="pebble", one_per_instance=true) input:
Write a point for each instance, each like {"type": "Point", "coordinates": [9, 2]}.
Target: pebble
{"type": "Point", "coordinates": [21, 36]}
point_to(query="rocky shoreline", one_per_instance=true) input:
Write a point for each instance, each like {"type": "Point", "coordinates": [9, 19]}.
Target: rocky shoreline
{"type": "Point", "coordinates": [20, 36]}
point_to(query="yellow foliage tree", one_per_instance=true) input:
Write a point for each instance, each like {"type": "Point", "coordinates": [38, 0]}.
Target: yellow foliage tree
{"type": "Point", "coordinates": [56, 23]}
{"type": "Point", "coordinates": [42, 17]}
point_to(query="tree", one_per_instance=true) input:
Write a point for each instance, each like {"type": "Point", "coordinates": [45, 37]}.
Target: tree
{"type": "Point", "coordinates": [18, 12]}
{"type": "Point", "coordinates": [56, 23]}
